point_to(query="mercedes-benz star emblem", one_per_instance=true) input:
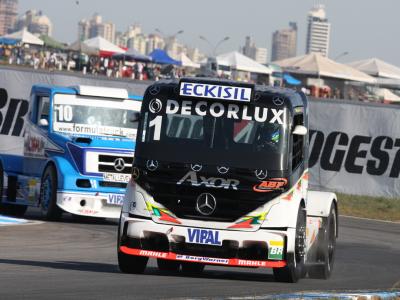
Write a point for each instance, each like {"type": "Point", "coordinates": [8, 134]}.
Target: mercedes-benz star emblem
{"type": "Point", "coordinates": [119, 164]}
{"type": "Point", "coordinates": [223, 170]}
{"type": "Point", "coordinates": [152, 165]}
{"type": "Point", "coordinates": [261, 174]}
{"type": "Point", "coordinates": [206, 204]}
{"type": "Point", "coordinates": [155, 106]}
{"type": "Point", "coordinates": [135, 173]}
{"type": "Point", "coordinates": [277, 101]}
{"type": "Point", "coordinates": [154, 90]}
{"type": "Point", "coordinates": [196, 167]}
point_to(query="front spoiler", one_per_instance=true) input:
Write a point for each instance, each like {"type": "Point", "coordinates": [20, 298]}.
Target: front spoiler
{"type": "Point", "coordinates": [203, 259]}
{"type": "Point", "coordinates": [95, 204]}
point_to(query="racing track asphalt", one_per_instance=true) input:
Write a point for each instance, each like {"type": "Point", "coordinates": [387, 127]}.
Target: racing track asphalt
{"type": "Point", "coordinates": [69, 260]}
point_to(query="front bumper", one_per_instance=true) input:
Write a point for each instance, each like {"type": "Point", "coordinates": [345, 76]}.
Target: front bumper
{"type": "Point", "coordinates": [143, 237]}
{"type": "Point", "coordinates": [91, 204]}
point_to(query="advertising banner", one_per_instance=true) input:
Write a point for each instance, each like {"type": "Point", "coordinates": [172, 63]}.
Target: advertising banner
{"type": "Point", "coordinates": [355, 148]}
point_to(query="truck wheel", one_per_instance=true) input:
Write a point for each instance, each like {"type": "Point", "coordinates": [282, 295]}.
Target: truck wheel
{"type": "Point", "coordinates": [48, 195]}
{"type": "Point", "coordinates": [189, 268]}
{"type": "Point", "coordinates": [168, 265]}
{"type": "Point", "coordinates": [295, 261]}
{"type": "Point", "coordinates": [131, 264]}
{"type": "Point", "coordinates": [127, 263]}
{"type": "Point", "coordinates": [326, 247]}
{"type": "Point", "coordinates": [15, 210]}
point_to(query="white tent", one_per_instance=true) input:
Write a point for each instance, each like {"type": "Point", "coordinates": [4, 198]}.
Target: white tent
{"type": "Point", "coordinates": [387, 95]}
{"type": "Point", "coordinates": [25, 37]}
{"type": "Point", "coordinates": [317, 65]}
{"type": "Point", "coordinates": [239, 62]}
{"type": "Point", "coordinates": [187, 62]}
{"type": "Point", "coordinates": [377, 67]}
{"type": "Point", "coordinates": [96, 44]}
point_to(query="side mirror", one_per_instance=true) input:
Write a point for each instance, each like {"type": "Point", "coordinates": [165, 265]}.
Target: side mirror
{"type": "Point", "coordinates": [134, 116]}
{"type": "Point", "coordinates": [300, 130]}
{"type": "Point", "coordinates": [43, 123]}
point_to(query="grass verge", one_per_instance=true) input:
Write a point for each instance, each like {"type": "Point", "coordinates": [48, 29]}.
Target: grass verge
{"type": "Point", "coordinates": [387, 209]}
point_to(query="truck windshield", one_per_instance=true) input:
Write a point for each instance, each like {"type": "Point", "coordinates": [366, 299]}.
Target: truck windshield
{"type": "Point", "coordinates": [92, 116]}
{"type": "Point", "coordinates": [213, 140]}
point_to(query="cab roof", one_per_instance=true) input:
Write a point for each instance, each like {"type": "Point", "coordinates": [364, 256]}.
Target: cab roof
{"type": "Point", "coordinates": [92, 91]}
{"type": "Point", "coordinates": [260, 93]}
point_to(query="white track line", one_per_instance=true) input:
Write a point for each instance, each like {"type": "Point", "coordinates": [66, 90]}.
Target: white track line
{"type": "Point", "coordinates": [367, 219]}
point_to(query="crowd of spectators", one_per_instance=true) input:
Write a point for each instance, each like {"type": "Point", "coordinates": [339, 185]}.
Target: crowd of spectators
{"type": "Point", "coordinates": [72, 61]}
{"type": "Point", "coordinates": [80, 62]}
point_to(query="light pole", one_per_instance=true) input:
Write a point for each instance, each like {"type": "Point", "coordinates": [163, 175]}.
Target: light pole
{"type": "Point", "coordinates": [170, 38]}
{"type": "Point", "coordinates": [214, 47]}
{"type": "Point", "coordinates": [341, 55]}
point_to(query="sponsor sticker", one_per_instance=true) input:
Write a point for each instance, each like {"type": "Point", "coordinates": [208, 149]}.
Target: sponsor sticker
{"type": "Point", "coordinates": [212, 91]}
{"type": "Point", "coordinates": [270, 185]}
{"type": "Point", "coordinates": [210, 260]}
{"type": "Point", "coordinates": [203, 236]}
{"type": "Point", "coordinates": [116, 177]}
{"type": "Point", "coordinates": [229, 111]}
{"type": "Point", "coordinates": [115, 199]}
{"type": "Point", "coordinates": [275, 250]}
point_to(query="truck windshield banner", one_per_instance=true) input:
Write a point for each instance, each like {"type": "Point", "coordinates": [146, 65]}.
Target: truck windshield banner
{"type": "Point", "coordinates": [212, 91]}
{"type": "Point", "coordinates": [229, 111]}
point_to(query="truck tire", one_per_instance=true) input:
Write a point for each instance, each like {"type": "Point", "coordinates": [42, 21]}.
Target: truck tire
{"type": "Point", "coordinates": [295, 268]}
{"type": "Point", "coordinates": [165, 265]}
{"type": "Point", "coordinates": [48, 195]}
{"type": "Point", "coordinates": [130, 264]}
{"type": "Point", "coordinates": [14, 210]}
{"type": "Point", "coordinates": [191, 269]}
{"type": "Point", "coordinates": [325, 253]}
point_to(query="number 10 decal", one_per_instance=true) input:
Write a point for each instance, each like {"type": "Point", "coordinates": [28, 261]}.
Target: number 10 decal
{"type": "Point", "coordinates": [156, 122]}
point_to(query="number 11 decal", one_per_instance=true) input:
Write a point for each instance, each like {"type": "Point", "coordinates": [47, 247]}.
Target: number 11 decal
{"type": "Point", "coordinates": [156, 122]}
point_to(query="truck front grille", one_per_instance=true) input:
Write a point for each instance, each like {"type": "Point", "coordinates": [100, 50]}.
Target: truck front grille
{"type": "Point", "coordinates": [231, 205]}
{"type": "Point", "coordinates": [115, 164]}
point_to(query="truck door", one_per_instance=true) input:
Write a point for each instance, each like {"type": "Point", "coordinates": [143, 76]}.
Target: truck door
{"type": "Point", "coordinates": [36, 133]}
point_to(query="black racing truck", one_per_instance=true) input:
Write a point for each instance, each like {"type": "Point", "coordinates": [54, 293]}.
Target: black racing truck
{"type": "Point", "coordinates": [220, 177]}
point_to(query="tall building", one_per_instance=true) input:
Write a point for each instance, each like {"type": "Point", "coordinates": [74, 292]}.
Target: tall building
{"type": "Point", "coordinates": [284, 42]}
{"type": "Point", "coordinates": [35, 22]}
{"type": "Point", "coordinates": [83, 30]}
{"type": "Point", "coordinates": [261, 55]}
{"type": "Point", "coordinates": [251, 50]}
{"type": "Point", "coordinates": [173, 48]}
{"type": "Point", "coordinates": [318, 31]}
{"type": "Point", "coordinates": [8, 15]}
{"type": "Point", "coordinates": [154, 41]}
{"type": "Point", "coordinates": [96, 27]}
{"type": "Point", "coordinates": [138, 42]}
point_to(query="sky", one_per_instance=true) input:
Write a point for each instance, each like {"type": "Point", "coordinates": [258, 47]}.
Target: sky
{"type": "Point", "coordinates": [363, 28]}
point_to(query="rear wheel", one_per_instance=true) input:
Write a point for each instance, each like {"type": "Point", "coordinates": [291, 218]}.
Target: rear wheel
{"type": "Point", "coordinates": [48, 195]}
{"type": "Point", "coordinates": [168, 265]}
{"type": "Point", "coordinates": [127, 263]}
{"type": "Point", "coordinates": [192, 268]}
{"type": "Point", "coordinates": [325, 253]}
{"type": "Point", "coordinates": [7, 208]}
{"type": "Point", "coordinates": [295, 261]}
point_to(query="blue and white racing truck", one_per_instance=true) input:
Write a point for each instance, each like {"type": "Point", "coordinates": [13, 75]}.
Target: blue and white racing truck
{"type": "Point", "coordinates": [76, 153]}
